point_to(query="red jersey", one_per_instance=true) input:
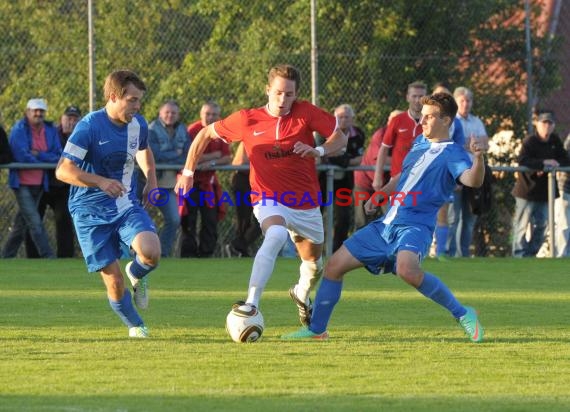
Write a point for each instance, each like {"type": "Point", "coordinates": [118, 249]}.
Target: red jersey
{"type": "Point", "coordinates": [364, 178]}
{"type": "Point", "coordinates": [400, 135]}
{"type": "Point", "coordinates": [206, 179]}
{"type": "Point", "coordinates": [194, 128]}
{"type": "Point", "coordinates": [275, 171]}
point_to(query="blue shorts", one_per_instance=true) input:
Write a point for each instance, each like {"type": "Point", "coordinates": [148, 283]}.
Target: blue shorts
{"type": "Point", "coordinates": [100, 237]}
{"type": "Point", "coordinates": [376, 245]}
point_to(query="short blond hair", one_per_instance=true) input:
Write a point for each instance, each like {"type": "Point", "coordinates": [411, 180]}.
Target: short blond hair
{"type": "Point", "coordinates": [286, 71]}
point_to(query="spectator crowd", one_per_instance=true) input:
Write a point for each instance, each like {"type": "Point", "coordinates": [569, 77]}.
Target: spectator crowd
{"type": "Point", "coordinates": [189, 228]}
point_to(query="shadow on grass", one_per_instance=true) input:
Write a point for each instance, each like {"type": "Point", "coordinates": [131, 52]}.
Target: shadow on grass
{"type": "Point", "coordinates": [275, 403]}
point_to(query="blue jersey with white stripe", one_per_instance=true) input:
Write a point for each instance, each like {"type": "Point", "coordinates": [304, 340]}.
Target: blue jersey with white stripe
{"type": "Point", "coordinates": [429, 176]}
{"type": "Point", "coordinates": [99, 146]}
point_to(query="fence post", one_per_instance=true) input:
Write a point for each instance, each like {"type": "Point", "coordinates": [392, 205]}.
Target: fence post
{"type": "Point", "coordinates": [314, 55]}
{"type": "Point", "coordinates": [329, 230]}
{"type": "Point", "coordinates": [551, 197]}
{"type": "Point", "coordinates": [91, 44]}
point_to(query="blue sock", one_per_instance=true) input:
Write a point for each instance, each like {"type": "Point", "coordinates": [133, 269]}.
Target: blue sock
{"type": "Point", "coordinates": [436, 290]}
{"type": "Point", "coordinates": [327, 297]}
{"type": "Point", "coordinates": [441, 240]}
{"type": "Point", "coordinates": [139, 270]}
{"type": "Point", "coordinates": [126, 311]}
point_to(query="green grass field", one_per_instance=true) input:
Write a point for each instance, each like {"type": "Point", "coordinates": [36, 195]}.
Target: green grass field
{"type": "Point", "coordinates": [63, 349]}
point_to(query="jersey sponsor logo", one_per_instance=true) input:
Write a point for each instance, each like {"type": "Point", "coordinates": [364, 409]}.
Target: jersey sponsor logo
{"type": "Point", "coordinates": [256, 133]}
{"type": "Point", "coordinates": [278, 153]}
{"type": "Point", "coordinates": [102, 142]}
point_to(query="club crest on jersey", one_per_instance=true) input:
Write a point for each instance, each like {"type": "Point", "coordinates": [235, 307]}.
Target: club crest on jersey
{"type": "Point", "coordinates": [133, 143]}
{"type": "Point", "coordinates": [435, 150]}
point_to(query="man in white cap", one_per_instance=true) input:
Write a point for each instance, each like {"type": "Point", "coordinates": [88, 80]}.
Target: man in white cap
{"type": "Point", "coordinates": [32, 140]}
{"type": "Point", "coordinates": [57, 196]}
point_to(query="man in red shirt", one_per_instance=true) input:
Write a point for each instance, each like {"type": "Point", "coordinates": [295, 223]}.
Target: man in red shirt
{"type": "Point", "coordinates": [400, 135]}
{"type": "Point", "coordinates": [278, 138]}
{"type": "Point", "coordinates": [217, 153]}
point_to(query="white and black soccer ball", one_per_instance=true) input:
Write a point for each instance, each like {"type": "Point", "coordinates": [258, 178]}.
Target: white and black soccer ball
{"type": "Point", "coordinates": [244, 323]}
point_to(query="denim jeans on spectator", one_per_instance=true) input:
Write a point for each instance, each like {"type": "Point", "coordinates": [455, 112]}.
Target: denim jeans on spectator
{"type": "Point", "coordinates": [28, 218]}
{"type": "Point", "coordinates": [461, 229]}
{"type": "Point", "coordinates": [533, 213]}
{"type": "Point", "coordinates": [171, 217]}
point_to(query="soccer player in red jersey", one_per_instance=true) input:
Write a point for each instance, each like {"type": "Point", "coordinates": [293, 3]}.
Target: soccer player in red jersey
{"type": "Point", "coordinates": [401, 133]}
{"type": "Point", "coordinates": [279, 142]}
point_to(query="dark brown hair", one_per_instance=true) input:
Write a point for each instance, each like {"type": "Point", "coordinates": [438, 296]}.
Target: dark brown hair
{"type": "Point", "coordinates": [117, 82]}
{"type": "Point", "coordinates": [444, 102]}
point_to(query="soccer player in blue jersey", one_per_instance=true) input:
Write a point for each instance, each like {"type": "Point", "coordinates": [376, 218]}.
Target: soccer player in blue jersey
{"type": "Point", "coordinates": [402, 237]}
{"type": "Point", "coordinates": [98, 161]}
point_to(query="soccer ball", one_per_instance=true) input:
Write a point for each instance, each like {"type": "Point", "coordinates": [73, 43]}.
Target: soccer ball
{"type": "Point", "coordinates": [244, 323]}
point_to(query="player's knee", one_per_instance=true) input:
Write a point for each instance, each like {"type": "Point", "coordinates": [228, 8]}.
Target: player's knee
{"type": "Point", "coordinates": [149, 254]}
{"type": "Point", "coordinates": [409, 273]}
{"type": "Point", "coordinates": [275, 237]}
{"type": "Point", "coordinates": [333, 269]}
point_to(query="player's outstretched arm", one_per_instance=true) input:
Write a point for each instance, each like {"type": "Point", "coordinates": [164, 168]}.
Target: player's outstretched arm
{"type": "Point", "coordinates": [185, 181]}
{"type": "Point", "coordinates": [474, 177]}
{"type": "Point", "coordinates": [335, 143]}
{"type": "Point", "coordinates": [382, 156]}
{"type": "Point", "coordinates": [378, 196]}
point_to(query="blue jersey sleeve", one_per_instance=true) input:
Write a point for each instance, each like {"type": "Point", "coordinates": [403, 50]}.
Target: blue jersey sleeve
{"type": "Point", "coordinates": [78, 143]}
{"type": "Point", "coordinates": [458, 163]}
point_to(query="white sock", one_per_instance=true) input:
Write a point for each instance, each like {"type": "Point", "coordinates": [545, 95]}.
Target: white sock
{"type": "Point", "coordinates": [264, 262]}
{"type": "Point", "coordinates": [310, 273]}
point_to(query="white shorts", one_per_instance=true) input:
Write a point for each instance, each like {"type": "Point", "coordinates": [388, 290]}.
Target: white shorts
{"type": "Point", "coordinates": [307, 223]}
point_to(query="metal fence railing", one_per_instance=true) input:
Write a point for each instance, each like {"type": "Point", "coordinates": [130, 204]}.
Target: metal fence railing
{"type": "Point", "coordinates": [492, 235]}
